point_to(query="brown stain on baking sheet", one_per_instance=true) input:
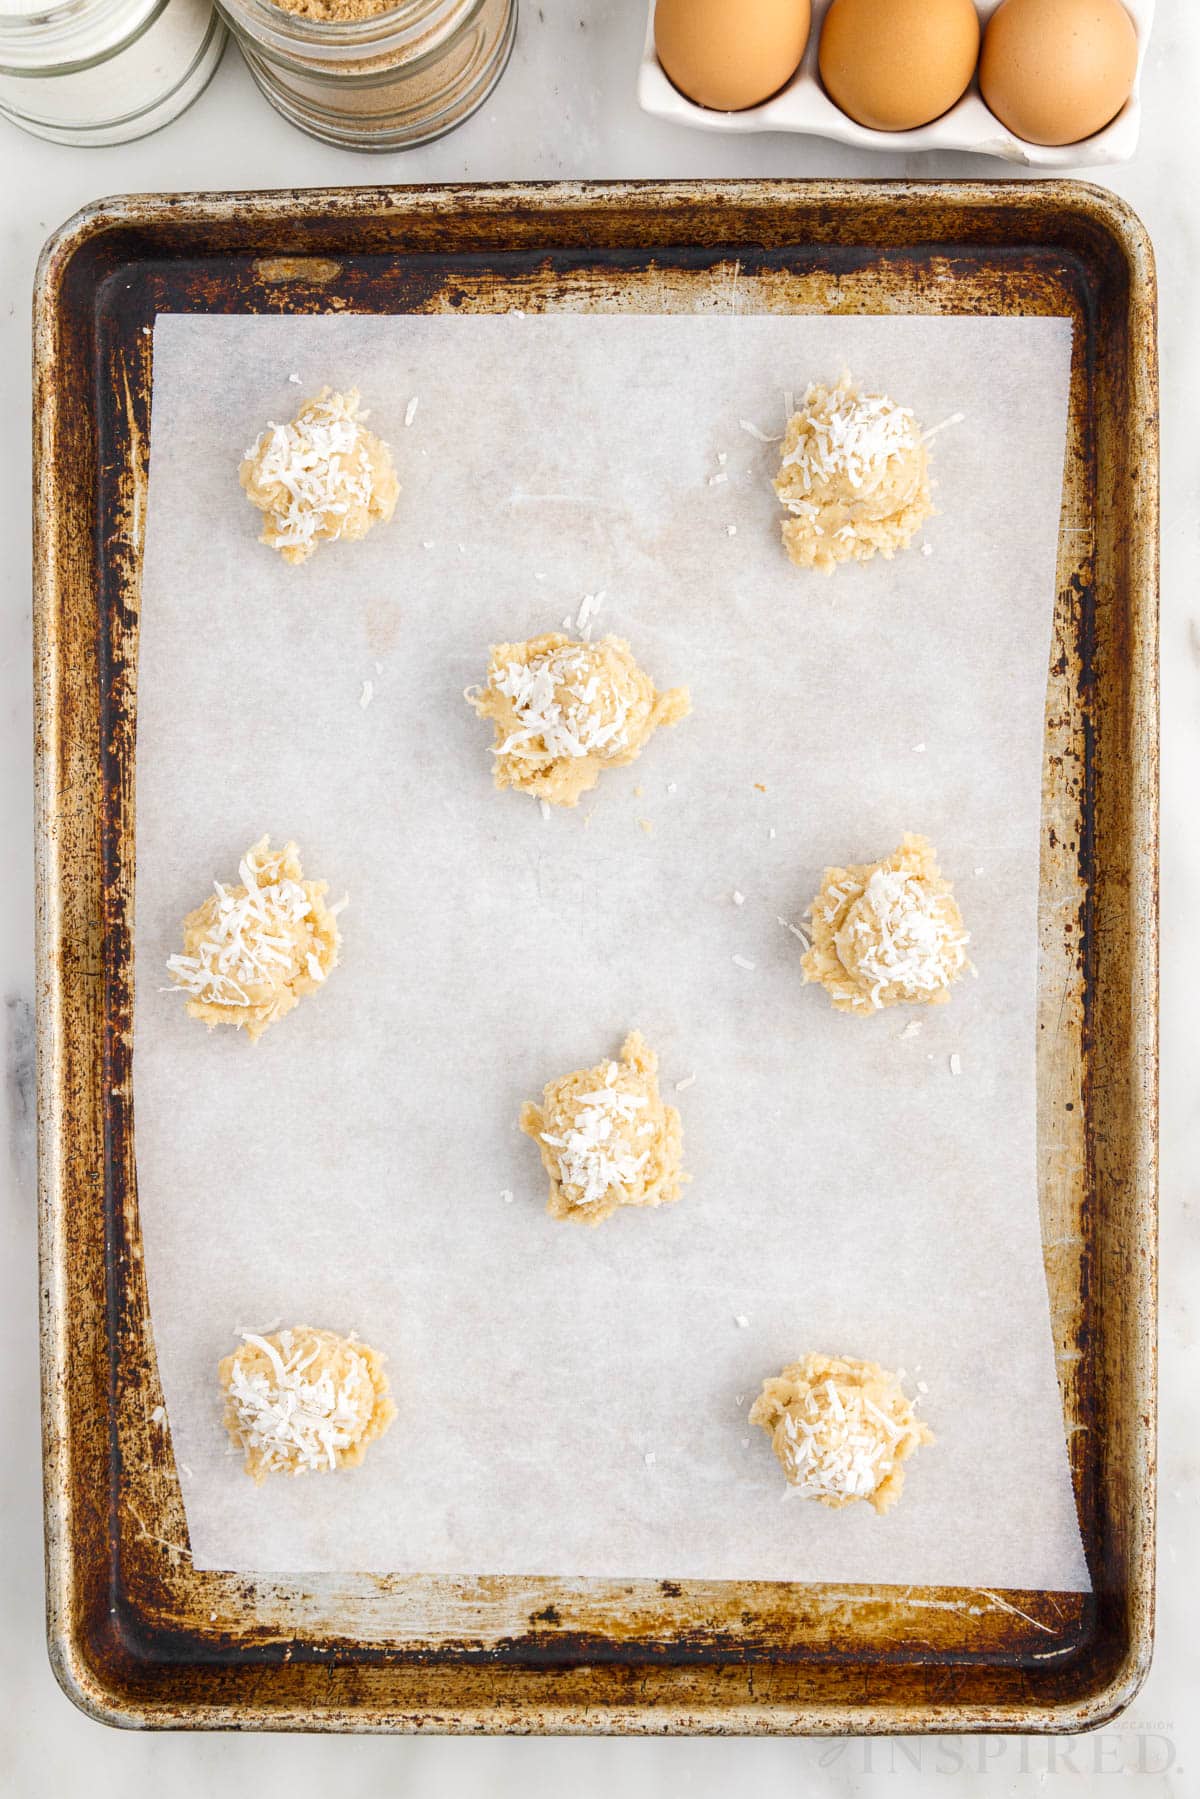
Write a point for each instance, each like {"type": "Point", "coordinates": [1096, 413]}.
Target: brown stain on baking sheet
{"type": "Point", "coordinates": [302, 271]}
{"type": "Point", "coordinates": [137, 1634]}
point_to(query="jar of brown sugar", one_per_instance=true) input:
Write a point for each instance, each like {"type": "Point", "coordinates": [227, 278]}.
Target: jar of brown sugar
{"type": "Point", "coordinates": [375, 74]}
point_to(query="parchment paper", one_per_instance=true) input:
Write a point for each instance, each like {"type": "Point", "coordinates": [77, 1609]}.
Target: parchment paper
{"type": "Point", "coordinates": [573, 1402]}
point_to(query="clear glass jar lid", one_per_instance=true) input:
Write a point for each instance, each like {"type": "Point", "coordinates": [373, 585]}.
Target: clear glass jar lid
{"type": "Point", "coordinates": [36, 38]}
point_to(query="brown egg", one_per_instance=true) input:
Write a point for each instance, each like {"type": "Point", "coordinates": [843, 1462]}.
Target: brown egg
{"type": "Point", "coordinates": [896, 64]}
{"type": "Point", "coordinates": [1057, 71]}
{"type": "Point", "coordinates": [730, 54]}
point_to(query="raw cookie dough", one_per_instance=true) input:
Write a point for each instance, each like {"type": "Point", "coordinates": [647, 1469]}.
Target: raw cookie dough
{"type": "Point", "coordinates": [841, 1430]}
{"type": "Point", "coordinates": [887, 933]}
{"type": "Point", "coordinates": [565, 711]}
{"type": "Point", "coordinates": [854, 476]}
{"type": "Point", "coordinates": [250, 952]}
{"type": "Point", "coordinates": [320, 478]}
{"type": "Point", "coordinates": [304, 1400]}
{"type": "Point", "coordinates": [607, 1140]}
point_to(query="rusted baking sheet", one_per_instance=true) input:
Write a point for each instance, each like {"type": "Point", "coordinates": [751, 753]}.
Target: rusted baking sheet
{"type": "Point", "coordinates": [136, 1635]}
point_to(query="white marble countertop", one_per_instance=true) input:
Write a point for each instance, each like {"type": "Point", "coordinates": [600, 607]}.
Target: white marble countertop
{"type": "Point", "coordinates": [565, 110]}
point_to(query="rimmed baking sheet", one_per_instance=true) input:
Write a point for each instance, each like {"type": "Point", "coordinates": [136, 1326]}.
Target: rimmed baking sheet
{"type": "Point", "coordinates": [137, 1633]}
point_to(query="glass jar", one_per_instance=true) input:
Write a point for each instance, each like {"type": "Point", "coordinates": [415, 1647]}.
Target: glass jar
{"type": "Point", "coordinates": [387, 82]}
{"type": "Point", "coordinates": [104, 71]}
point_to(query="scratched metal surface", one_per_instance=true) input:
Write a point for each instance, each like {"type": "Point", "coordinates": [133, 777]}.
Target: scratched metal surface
{"type": "Point", "coordinates": [138, 1637]}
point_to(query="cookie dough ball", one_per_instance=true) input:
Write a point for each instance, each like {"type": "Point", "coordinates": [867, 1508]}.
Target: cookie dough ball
{"type": "Point", "coordinates": [607, 1140]}
{"type": "Point", "coordinates": [841, 1430]}
{"type": "Point", "coordinates": [304, 1401]}
{"type": "Point", "coordinates": [854, 477]}
{"type": "Point", "coordinates": [887, 933]}
{"type": "Point", "coordinates": [250, 952]}
{"type": "Point", "coordinates": [565, 711]}
{"type": "Point", "coordinates": [322, 477]}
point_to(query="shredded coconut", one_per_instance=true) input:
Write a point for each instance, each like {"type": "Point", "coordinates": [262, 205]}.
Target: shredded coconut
{"type": "Point", "coordinates": [319, 464]}
{"type": "Point", "coordinates": [555, 698]}
{"type": "Point", "coordinates": [291, 1421]}
{"type": "Point", "coordinates": [831, 1450]}
{"type": "Point", "coordinates": [793, 928]}
{"type": "Point", "coordinates": [588, 607]}
{"type": "Point", "coordinates": [251, 937]}
{"type": "Point", "coordinates": [955, 418]}
{"type": "Point", "coordinates": [853, 437]}
{"type": "Point", "coordinates": [761, 436]}
{"type": "Point", "coordinates": [591, 1164]}
{"type": "Point", "coordinates": [902, 940]}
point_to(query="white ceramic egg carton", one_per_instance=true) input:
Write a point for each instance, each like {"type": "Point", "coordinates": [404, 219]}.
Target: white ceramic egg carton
{"type": "Point", "coordinates": [803, 106]}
